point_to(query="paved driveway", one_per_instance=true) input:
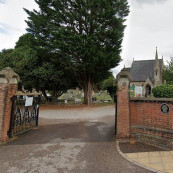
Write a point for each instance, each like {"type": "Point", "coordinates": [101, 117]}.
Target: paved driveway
{"type": "Point", "coordinates": [74, 140]}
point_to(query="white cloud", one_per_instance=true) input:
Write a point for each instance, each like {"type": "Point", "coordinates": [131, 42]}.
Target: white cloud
{"type": "Point", "coordinates": [149, 25]}
{"type": "Point", "coordinates": [2, 1]}
{"type": "Point", "coordinates": [12, 24]}
{"type": "Point", "coordinates": [141, 2]}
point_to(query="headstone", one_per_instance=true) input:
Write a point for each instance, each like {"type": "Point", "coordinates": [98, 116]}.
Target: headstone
{"type": "Point", "coordinates": [77, 100]}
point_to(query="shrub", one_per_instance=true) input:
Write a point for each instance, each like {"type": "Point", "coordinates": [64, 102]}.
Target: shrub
{"type": "Point", "coordinates": [110, 85]}
{"type": "Point", "coordinates": [163, 91]}
{"type": "Point", "coordinates": [169, 82]}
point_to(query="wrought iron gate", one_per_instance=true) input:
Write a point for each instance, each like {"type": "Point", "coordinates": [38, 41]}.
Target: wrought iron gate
{"type": "Point", "coordinates": [23, 117]}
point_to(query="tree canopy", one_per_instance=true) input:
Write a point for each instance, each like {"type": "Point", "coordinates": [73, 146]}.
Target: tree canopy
{"type": "Point", "coordinates": [35, 71]}
{"type": "Point", "coordinates": [109, 84]}
{"type": "Point", "coordinates": [168, 72]}
{"type": "Point", "coordinates": [84, 36]}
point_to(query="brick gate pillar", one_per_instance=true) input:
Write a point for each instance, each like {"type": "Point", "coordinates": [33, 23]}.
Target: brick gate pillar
{"type": "Point", "coordinates": [8, 87]}
{"type": "Point", "coordinates": [123, 97]}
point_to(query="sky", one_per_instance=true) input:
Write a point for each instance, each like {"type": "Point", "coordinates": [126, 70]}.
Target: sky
{"type": "Point", "coordinates": [12, 21]}
{"type": "Point", "coordinates": [148, 25]}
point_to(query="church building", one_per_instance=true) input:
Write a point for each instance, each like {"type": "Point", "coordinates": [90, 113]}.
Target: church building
{"type": "Point", "coordinates": [145, 75]}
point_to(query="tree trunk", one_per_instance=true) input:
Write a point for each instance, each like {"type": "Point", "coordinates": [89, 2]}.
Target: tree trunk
{"type": "Point", "coordinates": [54, 96]}
{"type": "Point", "coordinates": [88, 88]}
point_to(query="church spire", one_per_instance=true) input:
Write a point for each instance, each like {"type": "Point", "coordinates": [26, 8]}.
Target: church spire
{"type": "Point", "coordinates": [156, 56]}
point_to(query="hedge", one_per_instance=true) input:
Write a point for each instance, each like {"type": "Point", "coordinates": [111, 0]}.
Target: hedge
{"type": "Point", "coordinates": [163, 91]}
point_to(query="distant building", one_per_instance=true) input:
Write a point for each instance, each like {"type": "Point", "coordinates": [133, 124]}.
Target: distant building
{"type": "Point", "coordinates": [146, 74]}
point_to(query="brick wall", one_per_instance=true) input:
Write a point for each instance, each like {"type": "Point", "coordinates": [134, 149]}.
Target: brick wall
{"type": "Point", "coordinates": [142, 118]}
{"type": "Point", "coordinates": [9, 91]}
{"type": "Point", "coordinates": [3, 88]}
{"type": "Point", "coordinates": [123, 124]}
{"type": "Point", "coordinates": [149, 124]}
{"type": "Point", "coordinates": [8, 87]}
{"type": "Point", "coordinates": [149, 114]}
{"type": "Point", "coordinates": [123, 112]}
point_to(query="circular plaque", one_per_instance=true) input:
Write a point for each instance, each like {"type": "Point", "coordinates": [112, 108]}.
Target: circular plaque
{"type": "Point", "coordinates": [165, 108]}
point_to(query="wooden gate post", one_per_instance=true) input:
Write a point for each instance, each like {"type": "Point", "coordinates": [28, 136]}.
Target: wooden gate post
{"type": "Point", "coordinates": [123, 97]}
{"type": "Point", "coordinates": [8, 87]}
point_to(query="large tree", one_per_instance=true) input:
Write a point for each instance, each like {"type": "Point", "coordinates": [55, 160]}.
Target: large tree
{"type": "Point", "coordinates": [22, 60]}
{"type": "Point", "coordinates": [85, 35]}
{"type": "Point", "coordinates": [47, 75]}
{"type": "Point", "coordinates": [35, 69]}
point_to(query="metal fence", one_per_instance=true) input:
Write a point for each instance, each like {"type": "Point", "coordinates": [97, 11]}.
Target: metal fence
{"type": "Point", "coordinates": [24, 113]}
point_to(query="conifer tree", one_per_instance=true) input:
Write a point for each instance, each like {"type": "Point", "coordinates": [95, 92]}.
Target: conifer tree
{"type": "Point", "coordinates": [84, 36]}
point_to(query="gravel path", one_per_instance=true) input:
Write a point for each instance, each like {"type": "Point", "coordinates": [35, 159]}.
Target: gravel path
{"type": "Point", "coordinates": [75, 141]}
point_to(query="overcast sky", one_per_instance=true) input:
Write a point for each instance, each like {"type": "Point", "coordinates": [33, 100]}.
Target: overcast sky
{"type": "Point", "coordinates": [148, 25]}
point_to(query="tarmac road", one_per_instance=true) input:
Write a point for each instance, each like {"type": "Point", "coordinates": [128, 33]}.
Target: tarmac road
{"type": "Point", "coordinates": [74, 140]}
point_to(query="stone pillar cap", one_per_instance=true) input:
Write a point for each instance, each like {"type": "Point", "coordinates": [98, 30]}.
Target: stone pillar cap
{"type": "Point", "coordinates": [124, 73]}
{"type": "Point", "coordinates": [7, 75]}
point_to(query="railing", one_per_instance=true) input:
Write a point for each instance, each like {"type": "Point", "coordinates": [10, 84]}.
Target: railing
{"type": "Point", "coordinates": [24, 113]}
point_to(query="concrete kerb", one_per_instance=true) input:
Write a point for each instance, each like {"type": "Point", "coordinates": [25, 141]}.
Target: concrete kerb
{"type": "Point", "coordinates": [136, 163]}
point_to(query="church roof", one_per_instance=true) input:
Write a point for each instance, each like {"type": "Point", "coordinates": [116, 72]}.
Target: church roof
{"type": "Point", "coordinates": [140, 70]}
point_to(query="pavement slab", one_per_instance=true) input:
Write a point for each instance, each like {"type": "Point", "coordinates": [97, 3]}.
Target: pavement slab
{"type": "Point", "coordinates": [158, 160]}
